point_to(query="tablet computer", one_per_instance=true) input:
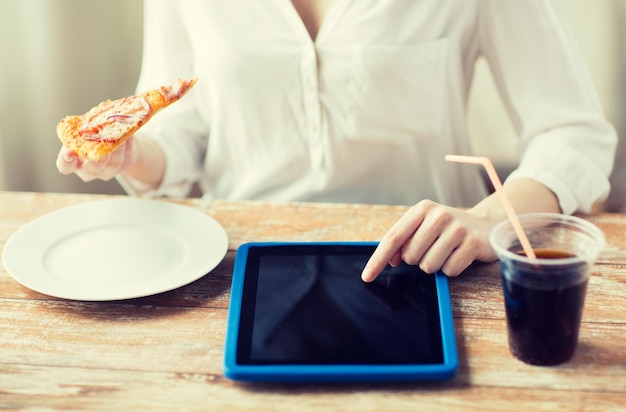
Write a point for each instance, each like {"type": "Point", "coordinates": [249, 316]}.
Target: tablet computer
{"type": "Point", "coordinates": [300, 312]}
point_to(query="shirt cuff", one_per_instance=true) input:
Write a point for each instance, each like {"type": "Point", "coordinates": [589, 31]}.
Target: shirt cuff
{"type": "Point", "coordinates": [577, 182]}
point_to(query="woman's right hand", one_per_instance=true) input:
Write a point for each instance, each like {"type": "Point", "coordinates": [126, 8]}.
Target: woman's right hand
{"type": "Point", "coordinates": [120, 160]}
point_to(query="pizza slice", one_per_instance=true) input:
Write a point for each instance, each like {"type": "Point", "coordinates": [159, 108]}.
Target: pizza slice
{"type": "Point", "coordinates": [97, 133]}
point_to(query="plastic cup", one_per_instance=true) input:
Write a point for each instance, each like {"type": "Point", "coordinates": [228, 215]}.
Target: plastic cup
{"type": "Point", "coordinates": [544, 297]}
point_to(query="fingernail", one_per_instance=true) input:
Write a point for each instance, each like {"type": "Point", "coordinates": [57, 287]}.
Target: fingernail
{"type": "Point", "coordinates": [366, 275]}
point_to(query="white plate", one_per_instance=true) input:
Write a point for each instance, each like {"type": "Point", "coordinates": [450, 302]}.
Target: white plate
{"type": "Point", "coordinates": [115, 249]}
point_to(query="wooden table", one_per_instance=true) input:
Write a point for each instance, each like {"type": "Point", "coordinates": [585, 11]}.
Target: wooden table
{"type": "Point", "coordinates": [165, 352]}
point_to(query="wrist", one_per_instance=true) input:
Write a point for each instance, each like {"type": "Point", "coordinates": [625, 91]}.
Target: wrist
{"type": "Point", "coordinates": [525, 195]}
{"type": "Point", "coordinates": [148, 162]}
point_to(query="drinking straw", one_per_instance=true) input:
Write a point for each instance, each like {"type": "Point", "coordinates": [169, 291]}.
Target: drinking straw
{"type": "Point", "coordinates": [497, 184]}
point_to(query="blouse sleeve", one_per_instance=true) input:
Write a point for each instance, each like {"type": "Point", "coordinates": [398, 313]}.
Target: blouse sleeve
{"type": "Point", "coordinates": [178, 129]}
{"type": "Point", "coordinates": [568, 144]}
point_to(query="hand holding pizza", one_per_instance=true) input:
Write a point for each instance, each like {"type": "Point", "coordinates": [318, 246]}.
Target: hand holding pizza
{"type": "Point", "coordinates": [69, 162]}
{"type": "Point", "coordinates": [99, 143]}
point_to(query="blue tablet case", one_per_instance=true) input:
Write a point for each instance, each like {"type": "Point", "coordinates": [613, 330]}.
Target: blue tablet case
{"type": "Point", "coordinates": [265, 276]}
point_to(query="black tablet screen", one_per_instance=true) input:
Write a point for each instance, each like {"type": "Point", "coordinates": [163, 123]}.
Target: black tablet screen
{"type": "Point", "coordinates": [308, 305]}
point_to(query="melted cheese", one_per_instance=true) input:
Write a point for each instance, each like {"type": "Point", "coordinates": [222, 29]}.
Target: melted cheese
{"type": "Point", "coordinates": [111, 120]}
{"type": "Point", "coordinates": [174, 91]}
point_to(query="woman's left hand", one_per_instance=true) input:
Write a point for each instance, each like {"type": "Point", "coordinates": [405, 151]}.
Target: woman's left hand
{"type": "Point", "coordinates": [435, 237]}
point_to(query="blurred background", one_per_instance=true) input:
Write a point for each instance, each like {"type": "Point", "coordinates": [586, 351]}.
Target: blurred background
{"type": "Point", "coordinates": [60, 57]}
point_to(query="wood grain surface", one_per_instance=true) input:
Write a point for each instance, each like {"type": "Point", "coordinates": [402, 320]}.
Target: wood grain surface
{"type": "Point", "coordinates": [165, 352]}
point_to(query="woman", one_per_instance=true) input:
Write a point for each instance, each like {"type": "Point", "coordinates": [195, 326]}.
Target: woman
{"type": "Point", "coordinates": [359, 101]}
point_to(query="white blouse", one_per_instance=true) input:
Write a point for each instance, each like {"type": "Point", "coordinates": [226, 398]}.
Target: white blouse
{"type": "Point", "coordinates": [367, 111]}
